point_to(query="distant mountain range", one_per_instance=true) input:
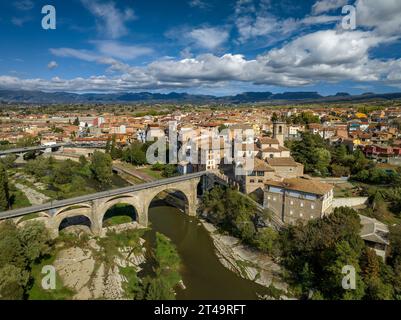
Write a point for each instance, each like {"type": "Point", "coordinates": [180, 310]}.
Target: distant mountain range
{"type": "Point", "coordinates": [39, 97]}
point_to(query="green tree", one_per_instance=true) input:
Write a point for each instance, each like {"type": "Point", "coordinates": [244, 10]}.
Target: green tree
{"type": "Point", "coordinates": [101, 168]}
{"type": "Point", "coordinates": [169, 170]}
{"type": "Point", "coordinates": [4, 189]}
{"type": "Point", "coordinates": [135, 154]}
{"type": "Point", "coordinates": [8, 161]}
{"type": "Point", "coordinates": [322, 162]}
{"type": "Point", "coordinates": [13, 281]}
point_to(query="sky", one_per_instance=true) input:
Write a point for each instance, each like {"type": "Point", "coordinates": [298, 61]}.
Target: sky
{"type": "Point", "coordinates": [217, 47]}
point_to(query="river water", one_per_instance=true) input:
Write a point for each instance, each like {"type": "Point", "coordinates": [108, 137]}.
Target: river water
{"type": "Point", "coordinates": [203, 274]}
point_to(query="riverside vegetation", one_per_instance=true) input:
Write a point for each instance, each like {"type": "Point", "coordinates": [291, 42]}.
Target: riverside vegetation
{"type": "Point", "coordinates": [314, 251]}
{"type": "Point", "coordinates": [28, 247]}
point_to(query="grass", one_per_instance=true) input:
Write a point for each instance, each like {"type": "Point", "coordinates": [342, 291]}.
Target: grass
{"type": "Point", "coordinates": [19, 199]}
{"type": "Point", "coordinates": [346, 190]}
{"type": "Point", "coordinates": [111, 244]}
{"type": "Point", "coordinates": [36, 292]}
{"type": "Point", "coordinates": [30, 217]}
{"type": "Point", "coordinates": [153, 173]}
{"type": "Point", "coordinates": [119, 214]}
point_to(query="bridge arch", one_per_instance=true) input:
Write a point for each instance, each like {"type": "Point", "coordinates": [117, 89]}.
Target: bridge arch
{"type": "Point", "coordinates": [80, 206]}
{"type": "Point", "coordinates": [119, 213]}
{"type": "Point", "coordinates": [173, 196]}
{"type": "Point", "coordinates": [75, 220]}
{"type": "Point", "coordinates": [130, 201]}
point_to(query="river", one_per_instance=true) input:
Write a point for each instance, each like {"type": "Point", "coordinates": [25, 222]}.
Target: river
{"type": "Point", "coordinates": [203, 274]}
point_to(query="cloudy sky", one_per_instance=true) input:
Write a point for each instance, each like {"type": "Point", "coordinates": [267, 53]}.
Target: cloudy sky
{"type": "Point", "coordinates": [201, 46]}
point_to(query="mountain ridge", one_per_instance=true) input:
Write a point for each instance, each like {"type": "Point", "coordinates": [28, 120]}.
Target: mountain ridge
{"type": "Point", "coordinates": [37, 97]}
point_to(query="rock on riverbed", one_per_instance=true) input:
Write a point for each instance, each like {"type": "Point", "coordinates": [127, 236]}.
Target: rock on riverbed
{"type": "Point", "coordinates": [246, 262]}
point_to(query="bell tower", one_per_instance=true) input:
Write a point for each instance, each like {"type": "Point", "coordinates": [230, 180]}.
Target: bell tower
{"type": "Point", "coordinates": [279, 131]}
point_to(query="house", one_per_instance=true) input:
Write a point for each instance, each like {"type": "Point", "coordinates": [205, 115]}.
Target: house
{"type": "Point", "coordinates": [256, 178]}
{"type": "Point", "coordinates": [375, 235]}
{"type": "Point", "coordinates": [286, 167]}
{"type": "Point", "coordinates": [271, 148]}
{"type": "Point", "coordinates": [298, 199]}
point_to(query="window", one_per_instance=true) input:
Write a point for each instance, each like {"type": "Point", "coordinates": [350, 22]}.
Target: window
{"type": "Point", "coordinates": [291, 202]}
{"type": "Point", "coordinates": [302, 204]}
{"type": "Point", "coordinates": [301, 215]}
{"type": "Point", "coordinates": [274, 198]}
{"type": "Point", "coordinates": [311, 217]}
{"type": "Point", "coordinates": [291, 212]}
{"type": "Point", "coordinates": [312, 206]}
{"type": "Point", "coordinates": [252, 181]}
{"type": "Point", "coordinates": [268, 197]}
{"type": "Point", "coordinates": [260, 181]}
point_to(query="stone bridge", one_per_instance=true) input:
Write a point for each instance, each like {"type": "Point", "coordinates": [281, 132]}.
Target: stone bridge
{"type": "Point", "coordinates": [95, 206]}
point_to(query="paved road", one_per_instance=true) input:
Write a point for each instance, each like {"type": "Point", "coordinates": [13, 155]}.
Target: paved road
{"type": "Point", "coordinates": [27, 149]}
{"type": "Point", "coordinates": [54, 146]}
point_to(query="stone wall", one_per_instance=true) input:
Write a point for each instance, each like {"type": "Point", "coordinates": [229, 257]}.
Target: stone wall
{"type": "Point", "coordinates": [350, 202]}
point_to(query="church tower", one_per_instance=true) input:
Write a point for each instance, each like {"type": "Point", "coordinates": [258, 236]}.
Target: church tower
{"type": "Point", "coordinates": [279, 131]}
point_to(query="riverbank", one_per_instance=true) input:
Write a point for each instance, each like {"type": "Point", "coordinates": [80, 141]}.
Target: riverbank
{"type": "Point", "coordinates": [246, 262]}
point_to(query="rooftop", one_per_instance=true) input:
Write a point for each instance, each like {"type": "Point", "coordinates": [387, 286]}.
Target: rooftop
{"type": "Point", "coordinates": [302, 184]}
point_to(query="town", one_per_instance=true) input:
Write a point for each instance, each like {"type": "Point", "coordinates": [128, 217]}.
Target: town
{"type": "Point", "coordinates": [200, 150]}
{"type": "Point", "coordinates": [307, 162]}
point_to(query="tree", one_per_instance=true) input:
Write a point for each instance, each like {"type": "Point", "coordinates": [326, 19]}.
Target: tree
{"type": "Point", "coordinates": [135, 154]}
{"type": "Point", "coordinates": [101, 168]}
{"type": "Point", "coordinates": [339, 170]}
{"type": "Point", "coordinates": [4, 189]}
{"type": "Point", "coordinates": [322, 162]}
{"type": "Point", "coordinates": [274, 117]}
{"type": "Point", "coordinates": [113, 148]}
{"type": "Point", "coordinates": [169, 170]}
{"type": "Point", "coordinates": [35, 240]}
{"type": "Point", "coordinates": [76, 122]}
{"type": "Point", "coordinates": [265, 240]}
{"type": "Point", "coordinates": [13, 281]}
{"type": "Point", "coordinates": [63, 172]}
{"type": "Point", "coordinates": [108, 145]}
{"type": "Point", "coordinates": [82, 161]}
{"type": "Point", "coordinates": [320, 249]}
{"type": "Point", "coordinates": [311, 152]}
{"type": "Point", "coordinates": [8, 161]}
{"type": "Point", "coordinates": [20, 248]}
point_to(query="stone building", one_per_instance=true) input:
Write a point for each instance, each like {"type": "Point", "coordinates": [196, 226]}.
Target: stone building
{"type": "Point", "coordinates": [286, 167]}
{"type": "Point", "coordinates": [298, 199]}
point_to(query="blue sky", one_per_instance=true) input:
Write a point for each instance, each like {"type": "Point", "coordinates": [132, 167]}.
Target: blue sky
{"type": "Point", "coordinates": [219, 47]}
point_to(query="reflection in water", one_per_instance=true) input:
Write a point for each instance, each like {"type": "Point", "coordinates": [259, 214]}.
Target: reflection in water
{"type": "Point", "coordinates": [203, 274]}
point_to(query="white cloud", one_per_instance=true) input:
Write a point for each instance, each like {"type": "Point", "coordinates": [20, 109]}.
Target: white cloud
{"type": "Point", "coordinates": [111, 20]}
{"type": "Point", "coordinates": [20, 21]}
{"type": "Point", "coordinates": [383, 16]}
{"type": "Point", "coordinates": [198, 4]}
{"type": "Point", "coordinates": [24, 5]}
{"type": "Point", "coordinates": [121, 51]}
{"type": "Point", "coordinates": [208, 37]}
{"type": "Point", "coordinates": [52, 65]}
{"type": "Point", "coordinates": [75, 53]}
{"type": "Point", "coordinates": [322, 6]}
{"type": "Point", "coordinates": [255, 21]}
{"type": "Point", "coordinates": [325, 55]}
{"type": "Point", "coordinates": [203, 37]}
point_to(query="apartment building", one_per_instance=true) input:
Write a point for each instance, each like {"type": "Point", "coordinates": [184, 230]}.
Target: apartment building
{"type": "Point", "coordinates": [297, 199]}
